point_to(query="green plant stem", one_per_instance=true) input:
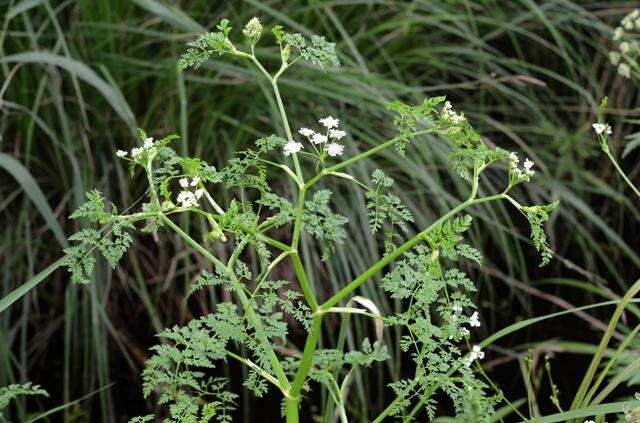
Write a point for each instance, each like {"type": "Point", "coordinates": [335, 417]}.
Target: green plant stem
{"type": "Point", "coordinates": [305, 361]}
{"type": "Point", "coordinates": [255, 367]}
{"type": "Point", "coordinates": [390, 257]}
{"type": "Point", "coordinates": [304, 281]}
{"type": "Point", "coordinates": [292, 400]}
{"type": "Point", "coordinates": [620, 171]}
{"type": "Point", "coordinates": [246, 304]}
{"type": "Point", "coordinates": [363, 155]}
{"type": "Point", "coordinates": [283, 114]}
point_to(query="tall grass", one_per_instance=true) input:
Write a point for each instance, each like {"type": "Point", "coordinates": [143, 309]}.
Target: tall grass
{"type": "Point", "coordinates": [79, 76]}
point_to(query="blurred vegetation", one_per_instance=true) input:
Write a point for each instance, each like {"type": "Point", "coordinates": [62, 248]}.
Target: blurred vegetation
{"type": "Point", "coordinates": [78, 76]}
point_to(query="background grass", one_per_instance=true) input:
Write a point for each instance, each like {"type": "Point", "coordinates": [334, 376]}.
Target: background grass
{"type": "Point", "coordinates": [79, 75]}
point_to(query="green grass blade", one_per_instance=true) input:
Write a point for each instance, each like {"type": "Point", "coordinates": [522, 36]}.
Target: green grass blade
{"type": "Point", "coordinates": [83, 72]}
{"type": "Point", "coordinates": [35, 194]}
{"type": "Point", "coordinates": [596, 410]}
{"type": "Point", "coordinates": [15, 295]}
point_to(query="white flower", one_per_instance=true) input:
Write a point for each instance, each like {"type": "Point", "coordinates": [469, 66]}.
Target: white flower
{"type": "Point", "coordinates": [148, 143]}
{"type": "Point", "coordinates": [292, 147]}
{"type": "Point", "coordinates": [628, 25]}
{"type": "Point", "coordinates": [195, 181]}
{"type": "Point", "coordinates": [184, 182]}
{"type": "Point", "coordinates": [187, 199]}
{"type": "Point", "coordinates": [456, 308]}
{"type": "Point", "coordinates": [475, 354]}
{"type": "Point", "coordinates": [329, 122]}
{"type": "Point", "coordinates": [450, 115]}
{"type": "Point", "coordinates": [306, 132]}
{"type": "Point", "coordinates": [618, 33]}
{"type": "Point", "coordinates": [614, 58]}
{"type": "Point", "coordinates": [477, 351]}
{"type": "Point", "coordinates": [589, 421]}
{"type": "Point", "coordinates": [136, 152]}
{"type": "Point", "coordinates": [625, 47]}
{"type": "Point", "coordinates": [334, 149]}
{"type": "Point", "coordinates": [474, 321]}
{"type": "Point", "coordinates": [319, 139]}
{"type": "Point", "coordinates": [601, 128]}
{"type": "Point", "coordinates": [528, 164]}
{"type": "Point", "coordinates": [336, 134]}
{"type": "Point", "coordinates": [464, 332]}
{"type": "Point", "coordinates": [199, 193]}
{"type": "Point", "coordinates": [624, 70]}
{"type": "Point", "coordinates": [253, 30]}
{"type": "Point", "coordinates": [121, 153]}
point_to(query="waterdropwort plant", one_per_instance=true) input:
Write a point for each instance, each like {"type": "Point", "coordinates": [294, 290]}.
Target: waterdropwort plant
{"type": "Point", "coordinates": [438, 317]}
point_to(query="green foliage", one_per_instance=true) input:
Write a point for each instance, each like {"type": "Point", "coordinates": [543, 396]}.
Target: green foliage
{"type": "Point", "coordinates": [11, 392]}
{"type": "Point", "coordinates": [386, 208]}
{"type": "Point", "coordinates": [205, 46]}
{"type": "Point", "coordinates": [112, 246]}
{"type": "Point", "coordinates": [321, 223]}
{"type": "Point", "coordinates": [318, 50]}
{"type": "Point", "coordinates": [537, 215]}
{"type": "Point", "coordinates": [433, 325]}
{"type": "Point", "coordinates": [205, 279]}
{"type": "Point", "coordinates": [430, 291]}
{"type": "Point", "coordinates": [178, 371]}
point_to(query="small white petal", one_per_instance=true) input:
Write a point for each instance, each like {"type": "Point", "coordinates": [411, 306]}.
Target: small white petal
{"type": "Point", "coordinates": [121, 153]}
{"type": "Point", "coordinates": [199, 193]}
{"type": "Point", "coordinates": [195, 181]}
{"type": "Point", "coordinates": [329, 122]}
{"type": "Point", "coordinates": [334, 149]}
{"type": "Point", "coordinates": [528, 164]}
{"type": "Point", "coordinates": [292, 147]}
{"type": "Point", "coordinates": [319, 139]}
{"type": "Point", "coordinates": [306, 132]}
{"type": "Point", "coordinates": [187, 199]}
{"type": "Point", "coordinates": [474, 321]}
{"type": "Point", "coordinates": [337, 134]}
{"type": "Point", "coordinates": [148, 143]}
{"type": "Point", "coordinates": [601, 128]}
{"type": "Point", "coordinates": [136, 152]}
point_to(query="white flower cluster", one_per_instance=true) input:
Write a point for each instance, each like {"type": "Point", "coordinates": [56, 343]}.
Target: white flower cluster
{"type": "Point", "coordinates": [475, 354]}
{"type": "Point", "coordinates": [187, 198]}
{"type": "Point", "coordinates": [474, 320]}
{"type": "Point", "coordinates": [137, 152]}
{"type": "Point", "coordinates": [602, 128]}
{"type": "Point", "coordinates": [521, 174]}
{"type": "Point", "coordinates": [627, 43]}
{"type": "Point", "coordinates": [447, 113]}
{"type": "Point", "coordinates": [327, 142]}
{"type": "Point", "coordinates": [253, 30]}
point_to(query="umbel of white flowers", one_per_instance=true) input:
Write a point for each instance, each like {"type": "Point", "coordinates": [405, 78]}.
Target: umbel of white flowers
{"type": "Point", "coordinates": [602, 128]}
{"type": "Point", "coordinates": [326, 143]}
{"type": "Point", "coordinates": [475, 354]}
{"type": "Point", "coordinates": [626, 36]}
{"type": "Point", "coordinates": [188, 198]}
{"type": "Point", "coordinates": [522, 174]}
{"type": "Point", "coordinates": [137, 152]}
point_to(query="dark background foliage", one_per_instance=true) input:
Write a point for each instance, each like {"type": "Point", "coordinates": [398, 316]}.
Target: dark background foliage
{"type": "Point", "coordinates": [79, 75]}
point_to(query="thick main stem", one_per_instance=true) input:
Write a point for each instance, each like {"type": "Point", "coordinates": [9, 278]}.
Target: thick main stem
{"type": "Point", "coordinates": [353, 285]}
